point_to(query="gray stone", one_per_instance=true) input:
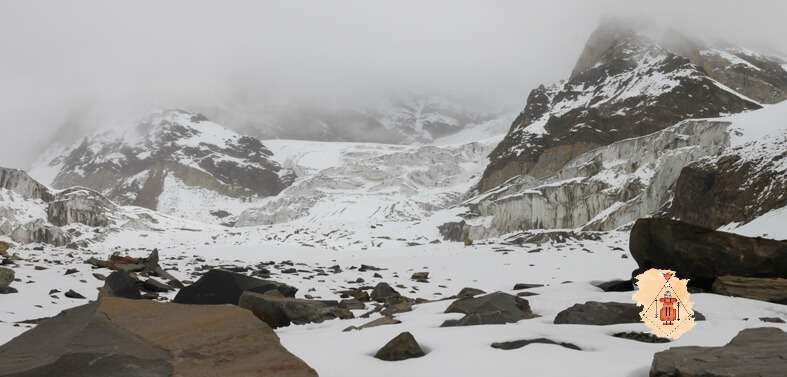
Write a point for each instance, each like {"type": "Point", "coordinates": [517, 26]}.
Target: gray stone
{"type": "Point", "coordinates": [521, 343]}
{"type": "Point", "coordinates": [760, 352]}
{"type": "Point", "coordinates": [763, 289]}
{"type": "Point", "coordinates": [402, 347]}
{"type": "Point", "coordinates": [599, 313]}
{"type": "Point", "coordinates": [278, 311]}
{"type": "Point", "coordinates": [493, 308]}
{"type": "Point", "coordinates": [6, 277]}
{"type": "Point", "coordinates": [382, 291]}
{"type": "Point", "coordinates": [218, 287]}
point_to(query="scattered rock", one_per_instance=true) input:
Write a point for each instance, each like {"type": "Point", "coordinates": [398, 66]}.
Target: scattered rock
{"type": "Point", "coordinates": [526, 294]}
{"type": "Point", "coordinates": [382, 291]}
{"type": "Point", "coordinates": [494, 308]}
{"type": "Point", "coordinates": [382, 321]}
{"type": "Point", "coordinates": [99, 276]}
{"type": "Point", "coordinates": [114, 337]}
{"type": "Point", "coordinates": [121, 284]}
{"type": "Point", "coordinates": [521, 343]}
{"type": "Point", "coordinates": [702, 254]}
{"type": "Point", "coordinates": [218, 287]}
{"type": "Point", "coordinates": [616, 285]}
{"type": "Point", "coordinates": [71, 271]}
{"type": "Point", "coordinates": [469, 292]}
{"type": "Point", "coordinates": [73, 294]}
{"type": "Point", "coordinates": [599, 313]}
{"type": "Point", "coordinates": [418, 276]}
{"type": "Point", "coordinates": [758, 352]}
{"type": "Point", "coordinates": [772, 319]}
{"type": "Point", "coordinates": [763, 289]}
{"type": "Point", "coordinates": [352, 304]}
{"type": "Point", "coordinates": [402, 347]}
{"type": "Point", "coordinates": [6, 277]}
{"type": "Point", "coordinates": [641, 337]}
{"type": "Point", "coordinates": [520, 286]}
{"type": "Point", "coordinates": [279, 311]}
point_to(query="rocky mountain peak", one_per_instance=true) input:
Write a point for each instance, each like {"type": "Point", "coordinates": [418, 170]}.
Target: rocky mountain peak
{"type": "Point", "coordinates": [168, 151]}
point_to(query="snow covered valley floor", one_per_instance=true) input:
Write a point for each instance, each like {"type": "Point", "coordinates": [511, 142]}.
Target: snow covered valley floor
{"type": "Point", "coordinates": [567, 271]}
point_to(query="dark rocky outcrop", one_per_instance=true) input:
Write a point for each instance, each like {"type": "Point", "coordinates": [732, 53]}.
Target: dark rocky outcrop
{"type": "Point", "coordinates": [764, 289]}
{"type": "Point", "coordinates": [599, 313]}
{"type": "Point", "coordinates": [515, 344]}
{"type": "Point", "coordinates": [79, 205]}
{"type": "Point", "coordinates": [279, 311]}
{"type": "Point", "coordinates": [596, 106]}
{"type": "Point", "coordinates": [641, 337]}
{"type": "Point", "coordinates": [383, 291]}
{"type": "Point", "coordinates": [133, 338]}
{"type": "Point", "coordinates": [732, 188]}
{"type": "Point", "coordinates": [218, 287]}
{"type": "Point", "coordinates": [702, 254]}
{"type": "Point", "coordinates": [616, 285]}
{"type": "Point", "coordinates": [494, 308]}
{"type": "Point", "coordinates": [758, 352]}
{"type": "Point", "coordinates": [402, 347]}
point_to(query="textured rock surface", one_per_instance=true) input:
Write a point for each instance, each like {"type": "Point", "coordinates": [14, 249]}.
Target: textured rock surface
{"type": "Point", "coordinates": [599, 313]}
{"type": "Point", "coordinates": [620, 76]}
{"type": "Point", "coordinates": [702, 254]}
{"type": "Point", "coordinates": [218, 287]}
{"type": "Point", "coordinates": [402, 347]}
{"type": "Point", "coordinates": [516, 344]}
{"type": "Point", "coordinates": [765, 289]}
{"type": "Point", "coordinates": [279, 311]}
{"type": "Point", "coordinates": [133, 338]}
{"type": "Point", "coordinates": [6, 277]}
{"type": "Point", "coordinates": [758, 352]}
{"type": "Point", "coordinates": [494, 308]}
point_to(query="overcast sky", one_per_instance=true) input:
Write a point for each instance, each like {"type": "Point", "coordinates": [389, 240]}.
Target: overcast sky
{"type": "Point", "coordinates": [83, 61]}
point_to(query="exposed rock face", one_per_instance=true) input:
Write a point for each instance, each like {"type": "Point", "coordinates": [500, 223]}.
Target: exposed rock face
{"type": "Point", "coordinates": [169, 148]}
{"type": "Point", "coordinates": [755, 75]}
{"type": "Point", "coordinates": [494, 308]}
{"type": "Point", "coordinates": [77, 205]}
{"type": "Point", "coordinates": [402, 347]}
{"type": "Point", "coordinates": [599, 313]}
{"type": "Point", "coordinates": [735, 187]}
{"type": "Point", "coordinates": [765, 289]}
{"type": "Point", "coordinates": [280, 311]}
{"type": "Point", "coordinates": [598, 190]}
{"type": "Point", "coordinates": [624, 85]}
{"type": "Point", "coordinates": [702, 254]}
{"type": "Point", "coordinates": [218, 287]}
{"type": "Point", "coordinates": [21, 183]}
{"type": "Point", "coordinates": [118, 337]}
{"type": "Point", "coordinates": [753, 352]}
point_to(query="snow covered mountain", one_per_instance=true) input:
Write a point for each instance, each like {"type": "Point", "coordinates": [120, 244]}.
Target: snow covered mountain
{"type": "Point", "coordinates": [173, 161]}
{"type": "Point", "coordinates": [607, 146]}
{"type": "Point", "coordinates": [407, 119]}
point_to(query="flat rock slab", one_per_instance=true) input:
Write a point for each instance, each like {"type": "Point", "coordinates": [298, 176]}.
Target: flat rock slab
{"type": "Point", "coordinates": [515, 344]}
{"type": "Point", "coordinates": [763, 289]}
{"type": "Point", "coordinates": [137, 338]}
{"type": "Point", "coordinates": [760, 352]}
{"type": "Point", "coordinates": [599, 313]}
{"type": "Point", "coordinates": [219, 287]}
{"type": "Point", "coordinates": [491, 309]}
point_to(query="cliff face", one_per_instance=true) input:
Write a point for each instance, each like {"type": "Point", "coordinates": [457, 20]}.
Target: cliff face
{"type": "Point", "coordinates": [136, 166]}
{"type": "Point", "coordinates": [624, 85]}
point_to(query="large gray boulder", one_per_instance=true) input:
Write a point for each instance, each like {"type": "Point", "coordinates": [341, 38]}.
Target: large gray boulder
{"type": "Point", "coordinates": [278, 311]}
{"type": "Point", "coordinates": [599, 313]}
{"type": "Point", "coordinates": [702, 254]}
{"type": "Point", "coordinates": [760, 352]}
{"type": "Point", "coordinates": [217, 287]}
{"type": "Point", "coordinates": [492, 309]}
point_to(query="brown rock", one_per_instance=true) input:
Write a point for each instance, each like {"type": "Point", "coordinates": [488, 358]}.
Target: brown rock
{"type": "Point", "coordinates": [402, 347]}
{"type": "Point", "coordinates": [763, 289]}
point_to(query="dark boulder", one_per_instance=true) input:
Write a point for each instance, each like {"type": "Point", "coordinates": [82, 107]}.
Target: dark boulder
{"type": "Point", "coordinates": [469, 292]}
{"type": "Point", "coordinates": [402, 347]}
{"type": "Point", "coordinates": [382, 291]}
{"type": "Point", "coordinates": [641, 337]}
{"type": "Point", "coordinates": [520, 286]}
{"type": "Point", "coordinates": [217, 287]}
{"type": "Point", "coordinates": [702, 254]}
{"type": "Point", "coordinates": [760, 352]}
{"type": "Point", "coordinates": [73, 294]}
{"type": "Point", "coordinates": [615, 286]}
{"type": "Point", "coordinates": [494, 308]}
{"type": "Point", "coordinates": [6, 277]}
{"type": "Point", "coordinates": [279, 311]}
{"type": "Point", "coordinates": [121, 284]}
{"type": "Point", "coordinates": [599, 313]}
